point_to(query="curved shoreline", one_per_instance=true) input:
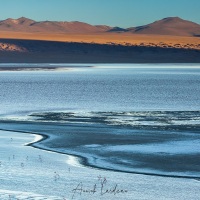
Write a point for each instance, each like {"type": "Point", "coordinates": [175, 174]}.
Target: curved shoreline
{"type": "Point", "coordinates": [84, 160]}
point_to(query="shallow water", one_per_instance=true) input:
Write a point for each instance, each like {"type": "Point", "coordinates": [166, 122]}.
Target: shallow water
{"type": "Point", "coordinates": [107, 88]}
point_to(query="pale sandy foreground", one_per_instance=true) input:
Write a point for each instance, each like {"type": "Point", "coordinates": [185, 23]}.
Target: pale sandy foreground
{"type": "Point", "coordinates": [30, 173]}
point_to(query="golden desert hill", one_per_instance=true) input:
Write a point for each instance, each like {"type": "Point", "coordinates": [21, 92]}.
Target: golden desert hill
{"type": "Point", "coordinates": [168, 32]}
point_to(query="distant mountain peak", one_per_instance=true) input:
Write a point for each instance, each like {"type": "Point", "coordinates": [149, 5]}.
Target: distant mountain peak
{"type": "Point", "coordinates": [166, 26]}
{"type": "Point", "coordinates": [24, 19]}
{"type": "Point", "coordinates": [21, 20]}
{"type": "Point", "coordinates": [172, 18]}
{"type": "Point", "coordinates": [117, 29]}
{"type": "Point", "coordinates": [9, 20]}
{"type": "Point", "coordinates": [169, 26]}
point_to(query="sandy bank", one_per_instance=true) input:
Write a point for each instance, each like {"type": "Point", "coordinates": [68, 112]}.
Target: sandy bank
{"type": "Point", "coordinates": [36, 51]}
{"type": "Point", "coordinates": [125, 39]}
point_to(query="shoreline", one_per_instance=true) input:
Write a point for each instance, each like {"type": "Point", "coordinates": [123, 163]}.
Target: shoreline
{"type": "Point", "coordinates": [84, 161]}
{"type": "Point", "coordinates": [61, 182]}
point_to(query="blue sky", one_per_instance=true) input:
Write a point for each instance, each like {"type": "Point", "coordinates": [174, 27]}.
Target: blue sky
{"type": "Point", "coordinates": [124, 13]}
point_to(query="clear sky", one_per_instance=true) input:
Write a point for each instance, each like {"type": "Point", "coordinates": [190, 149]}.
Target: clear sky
{"type": "Point", "coordinates": [123, 13]}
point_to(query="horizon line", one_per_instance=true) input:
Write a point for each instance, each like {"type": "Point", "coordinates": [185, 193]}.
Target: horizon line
{"type": "Point", "coordinates": [94, 24]}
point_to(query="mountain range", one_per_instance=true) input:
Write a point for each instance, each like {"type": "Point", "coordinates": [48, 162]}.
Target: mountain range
{"type": "Point", "coordinates": [167, 26]}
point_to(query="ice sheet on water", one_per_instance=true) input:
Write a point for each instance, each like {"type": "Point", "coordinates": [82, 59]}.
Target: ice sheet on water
{"type": "Point", "coordinates": [132, 118]}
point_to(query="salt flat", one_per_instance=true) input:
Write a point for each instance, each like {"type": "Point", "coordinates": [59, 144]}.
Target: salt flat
{"type": "Point", "coordinates": [31, 173]}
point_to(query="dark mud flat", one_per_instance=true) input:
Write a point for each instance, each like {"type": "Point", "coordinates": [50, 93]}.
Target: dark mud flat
{"type": "Point", "coordinates": [165, 150]}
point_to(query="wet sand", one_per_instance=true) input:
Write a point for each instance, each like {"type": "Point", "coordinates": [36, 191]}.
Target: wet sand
{"type": "Point", "coordinates": [167, 150]}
